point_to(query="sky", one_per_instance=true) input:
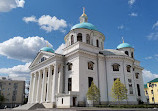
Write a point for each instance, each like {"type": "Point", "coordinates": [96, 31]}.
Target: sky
{"type": "Point", "coordinates": [28, 25]}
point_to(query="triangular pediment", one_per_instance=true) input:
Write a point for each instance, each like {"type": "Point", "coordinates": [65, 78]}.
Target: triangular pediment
{"type": "Point", "coordinates": [41, 56]}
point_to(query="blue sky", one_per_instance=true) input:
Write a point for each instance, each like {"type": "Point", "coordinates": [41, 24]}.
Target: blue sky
{"type": "Point", "coordinates": [23, 30]}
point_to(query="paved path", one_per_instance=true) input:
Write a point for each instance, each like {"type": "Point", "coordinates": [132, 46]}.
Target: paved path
{"type": "Point", "coordinates": [89, 109]}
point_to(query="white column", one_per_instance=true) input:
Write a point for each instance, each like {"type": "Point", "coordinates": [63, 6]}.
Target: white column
{"type": "Point", "coordinates": [60, 84]}
{"type": "Point", "coordinates": [54, 82]}
{"type": "Point", "coordinates": [38, 87]}
{"type": "Point", "coordinates": [33, 88]}
{"type": "Point", "coordinates": [43, 87]}
{"type": "Point", "coordinates": [30, 89]}
{"type": "Point", "coordinates": [48, 83]}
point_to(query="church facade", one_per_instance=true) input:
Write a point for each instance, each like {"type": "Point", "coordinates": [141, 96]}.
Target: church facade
{"type": "Point", "coordinates": [62, 80]}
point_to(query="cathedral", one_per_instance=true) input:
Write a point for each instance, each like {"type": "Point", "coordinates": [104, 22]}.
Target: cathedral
{"type": "Point", "coordinates": [62, 80]}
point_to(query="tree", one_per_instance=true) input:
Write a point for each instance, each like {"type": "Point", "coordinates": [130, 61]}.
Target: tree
{"type": "Point", "coordinates": [93, 93]}
{"type": "Point", "coordinates": [119, 91]}
{"type": "Point", "coordinates": [2, 99]}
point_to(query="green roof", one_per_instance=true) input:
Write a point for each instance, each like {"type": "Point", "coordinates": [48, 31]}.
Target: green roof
{"type": "Point", "coordinates": [154, 80]}
{"type": "Point", "coordinates": [145, 86]}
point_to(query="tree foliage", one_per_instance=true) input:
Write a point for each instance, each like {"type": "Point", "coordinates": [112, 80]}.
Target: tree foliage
{"type": "Point", "coordinates": [93, 93]}
{"type": "Point", "coordinates": [119, 91]}
{"type": "Point", "coordinates": [2, 99]}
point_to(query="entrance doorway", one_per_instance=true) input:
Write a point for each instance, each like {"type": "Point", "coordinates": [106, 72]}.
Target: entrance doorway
{"type": "Point", "coordinates": [74, 101]}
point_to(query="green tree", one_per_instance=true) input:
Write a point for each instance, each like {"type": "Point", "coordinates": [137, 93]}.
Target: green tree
{"type": "Point", "coordinates": [119, 91]}
{"type": "Point", "coordinates": [93, 93]}
{"type": "Point", "coordinates": [2, 99]}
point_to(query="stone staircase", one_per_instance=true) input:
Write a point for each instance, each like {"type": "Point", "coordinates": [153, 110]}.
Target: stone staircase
{"type": "Point", "coordinates": [29, 106]}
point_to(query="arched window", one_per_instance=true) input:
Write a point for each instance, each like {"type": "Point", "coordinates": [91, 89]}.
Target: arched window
{"type": "Point", "coordinates": [43, 59]}
{"type": "Point", "coordinates": [97, 43]}
{"type": "Point", "coordinates": [137, 75]}
{"type": "Point", "coordinates": [79, 37]}
{"type": "Point", "coordinates": [69, 66]}
{"type": "Point", "coordinates": [115, 67]}
{"type": "Point", "coordinates": [87, 39]}
{"type": "Point", "coordinates": [126, 52]}
{"type": "Point", "coordinates": [90, 65]}
{"type": "Point", "coordinates": [132, 54]}
{"type": "Point", "coordinates": [128, 67]}
{"type": "Point", "coordinates": [72, 39]}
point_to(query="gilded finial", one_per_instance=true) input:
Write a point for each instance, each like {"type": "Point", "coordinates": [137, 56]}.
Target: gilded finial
{"type": "Point", "coordinates": [123, 40]}
{"type": "Point", "coordinates": [84, 12]}
{"type": "Point", "coordinates": [46, 43]}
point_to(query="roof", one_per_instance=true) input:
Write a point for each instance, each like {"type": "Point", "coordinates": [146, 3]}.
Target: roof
{"type": "Point", "coordinates": [85, 25]}
{"type": "Point", "coordinates": [154, 80]}
{"type": "Point", "coordinates": [113, 52]}
{"type": "Point", "coordinates": [145, 86]}
{"type": "Point", "coordinates": [47, 49]}
{"type": "Point", "coordinates": [124, 45]}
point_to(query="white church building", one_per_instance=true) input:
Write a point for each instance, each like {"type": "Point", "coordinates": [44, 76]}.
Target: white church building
{"type": "Point", "coordinates": [62, 80]}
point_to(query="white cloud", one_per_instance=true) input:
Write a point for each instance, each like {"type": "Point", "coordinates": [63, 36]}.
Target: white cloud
{"type": "Point", "coordinates": [7, 5]}
{"type": "Point", "coordinates": [23, 49]}
{"type": "Point", "coordinates": [150, 57]}
{"type": "Point", "coordinates": [148, 76]}
{"type": "Point", "coordinates": [131, 2]}
{"type": "Point", "coordinates": [155, 25]}
{"type": "Point", "coordinates": [30, 19]}
{"type": "Point", "coordinates": [59, 50]}
{"type": "Point", "coordinates": [153, 36]}
{"type": "Point", "coordinates": [133, 14]}
{"type": "Point", "coordinates": [48, 23]}
{"type": "Point", "coordinates": [120, 27]}
{"type": "Point", "coordinates": [19, 72]}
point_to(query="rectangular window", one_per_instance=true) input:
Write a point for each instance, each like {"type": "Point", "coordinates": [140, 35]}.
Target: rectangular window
{"type": "Point", "coordinates": [62, 101]}
{"type": "Point", "coordinates": [90, 79]}
{"type": "Point", "coordinates": [90, 65]}
{"type": "Point", "coordinates": [152, 99]}
{"type": "Point", "coordinates": [69, 66]}
{"type": "Point", "coordinates": [129, 80]}
{"type": "Point", "coordinates": [130, 89]}
{"type": "Point", "coordinates": [128, 68]}
{"type": "Point", "coordinates": [138, 89]}
{"type": "Point", "coordinates": [69, 84]}
{"type": "Point", "coordinates": [137, 75]}
{"type": "Point", "coordinates": [151, 91]}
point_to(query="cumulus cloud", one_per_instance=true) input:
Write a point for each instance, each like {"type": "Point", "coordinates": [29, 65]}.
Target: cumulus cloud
{"type": "Point", "coordinates": [19, 72]}
{"type": "Point", "coordinates": [133, 14]}
{"type": "Point", "coordinates": [30, 19]}
{"type": "Point", "coordinates": [120, 27]}
{"type": "Point", "coordinates": [155, 25]}
{"type": "Point", "coordinates": [23, 49]}
{"type": "Point", "coordinates": [148, 76]}
{"type": "Point", "coordinates": [48, 23]}
{"type": "Point", "coordinates": [7, 5]}
{"type": "Point", "coordinates": [153, 36]}
{"type": "Point", "coordinates": [131, 2]}
{"type": "Point", "coordinates": [59, 50]}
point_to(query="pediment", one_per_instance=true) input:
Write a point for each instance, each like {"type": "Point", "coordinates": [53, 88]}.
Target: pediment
{"type": "Point", "coordinates": [41, 56]}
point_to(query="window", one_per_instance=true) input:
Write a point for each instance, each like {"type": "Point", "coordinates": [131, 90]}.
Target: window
{"type": "Point", "coordinates": [90, 65]}
{"type": "Point", "coordinates": [132, 54]}
{"type": "Point", "coordinates": [90, 79]}
{"type": "Point", "coordinates": [9, 83]}
{"type": "Point", "coordinates": [52, 72]}
{"type": "Point", "coordinates": [138, 89]}
{"type": "Point", "coordinates": [42, 59]}
{"type": "Point", "coordinates": [115, 67]}
{"type": "Point", "coordinates": [116, 79]}
{"type": "Point", "coordinates": [128, 68]}
{"type": "Point", "coordinates": [69, 84]}
{"type": "Point", "coordinates": [130, 89]}
{"type": "Point", "coordinates": [97, 43]}
{"type": "Point", "coordinates": [62, 101]}
{"type": "Point", "coordinates": [153, 99]}
{"type": "Point", "coordinates": [137, 75]}
{"type": "Point", "coordinates": [47, 74]}
{"type": "Point", "coordinates": [87, 39]}
{"type": "Point", "coordinates": [126, 52]}
{"type": "Point", "coordinates": [69, 66]}
{"type": "Point", "coordinates": [72, 39]}
{"type": "Point", "coordinates": [151, 91]}
{"type": "Point", "coordinates": [129, 80]}
{"type": "Point", "coordinates": [91, 41]}
{"type": "Point", "coordinates": [146, 92]}
{"type": "Point", "coordinates": [79, 37]}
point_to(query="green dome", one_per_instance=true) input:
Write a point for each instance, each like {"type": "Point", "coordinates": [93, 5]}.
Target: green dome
{"type": "Point", "coordinates": [47, 49]}
{"type": "Point", "coordinates": [124, 45]}
{"type": "Point", "coordinates": [84, 25]}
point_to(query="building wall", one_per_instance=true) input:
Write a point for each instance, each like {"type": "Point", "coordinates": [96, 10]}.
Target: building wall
{"type": "Point", "coordinates": [13, 91]}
